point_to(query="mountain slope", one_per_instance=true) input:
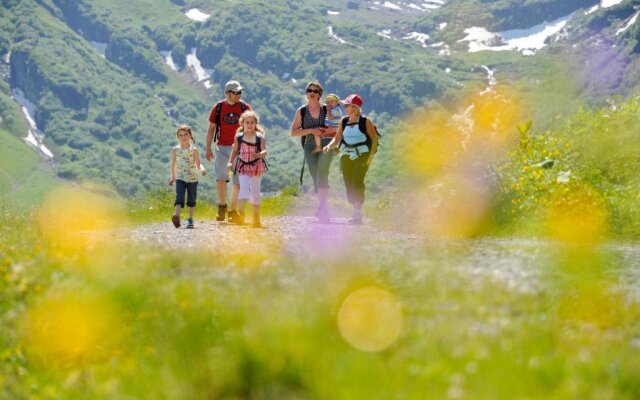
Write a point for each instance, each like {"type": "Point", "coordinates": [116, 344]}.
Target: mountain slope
{"type": "Point", "coordinates": [111, 79]}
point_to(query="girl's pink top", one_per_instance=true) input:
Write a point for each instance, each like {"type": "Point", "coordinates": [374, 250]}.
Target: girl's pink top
{"type": "Point", "coordinates": [244, 154]}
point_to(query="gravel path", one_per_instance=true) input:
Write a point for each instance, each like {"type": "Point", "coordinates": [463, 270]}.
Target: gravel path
{"type": "Point", "coordinates": [521, 265]}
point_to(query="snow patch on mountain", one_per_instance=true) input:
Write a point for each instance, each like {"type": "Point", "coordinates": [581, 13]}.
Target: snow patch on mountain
{"type": "Point", "coordinates": [100, 47]}
{"type": "Point", "coordinates": [424, 6]}
{"type": "Point", "coordinates": [197, 15]}
{"type": "Point", "coordinates": [201, 74]}
{"type": "Point", "coordinates": [34, 137]}
{"type": "Point", "coordinates": [592, 9]}
{"type": "Point", "coordinates": [391, 5]}
{"type": "Point", "coordinates": [419, 37]}
{"type": "Point", "coordinates": [609, 3]}
{"type": "Point", "coordinates": [334, 36]}
{"type": "Point", "coordinates": [628, 24]}
{"type": "Point", "coordinates": [385, 33]}
{"type": "Point", "coordinates": [603, 4]}
{"type": "Point", "coordinates": [168, 59]}
{"type": "Point", "coordinates": [526, 41]}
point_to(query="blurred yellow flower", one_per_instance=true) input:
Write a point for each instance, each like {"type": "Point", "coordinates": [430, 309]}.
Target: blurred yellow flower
{"type": "Point", "coordinates": [70, 329]}
{"type": "Point", "coordinates": [72, 220]}
{"type": "Point", "coordinates": [578, 215]}
{"type": "Point", "coordinates": [370, 319]}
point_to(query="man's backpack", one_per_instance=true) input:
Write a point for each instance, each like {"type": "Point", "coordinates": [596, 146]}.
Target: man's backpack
{"type": "Point", "coordinates": [243, 107]}
{"type": "Point", "coordinates": [303, 112]}
{"type": "Point", "coordinates": [362, 125]}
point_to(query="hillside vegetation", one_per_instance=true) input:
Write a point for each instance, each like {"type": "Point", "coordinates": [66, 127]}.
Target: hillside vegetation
{"type": "Point", "coordinates": [111, 119]}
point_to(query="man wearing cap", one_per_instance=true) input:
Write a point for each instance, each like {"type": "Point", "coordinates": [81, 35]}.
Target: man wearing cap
{"type": "Point", "coordinates": [223, 123]}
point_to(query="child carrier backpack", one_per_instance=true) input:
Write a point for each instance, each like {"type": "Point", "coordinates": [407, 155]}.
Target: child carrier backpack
{"type": "Point", "coordinates": [243, 107]}
{"type": "Point", "coordinates": [362, 125]}
{"type": "Point", "coordinates": [241, 163]}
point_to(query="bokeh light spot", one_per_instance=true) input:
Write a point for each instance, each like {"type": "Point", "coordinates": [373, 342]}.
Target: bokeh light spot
{"type": "Point", "coordinates": [370, 319]}
{"type": "Point", "coordinates": [67, 329]}
{"type": "Point", "coordinates": [72, 220]}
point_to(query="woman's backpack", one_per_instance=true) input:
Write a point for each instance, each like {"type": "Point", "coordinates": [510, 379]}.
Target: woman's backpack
{"type": "Point", "coordinates": [362, 125]}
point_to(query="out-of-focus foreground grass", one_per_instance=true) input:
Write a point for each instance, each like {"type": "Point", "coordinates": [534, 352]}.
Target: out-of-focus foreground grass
{"type": "Point", "coordinates": [86, 317]}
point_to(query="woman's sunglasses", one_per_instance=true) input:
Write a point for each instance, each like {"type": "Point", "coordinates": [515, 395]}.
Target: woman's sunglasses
{"type": "Point", "coordinates": [316, 91]}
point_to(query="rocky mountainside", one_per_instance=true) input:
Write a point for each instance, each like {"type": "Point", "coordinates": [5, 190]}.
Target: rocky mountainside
{"type": "Point", "coordinates": [107, 81]}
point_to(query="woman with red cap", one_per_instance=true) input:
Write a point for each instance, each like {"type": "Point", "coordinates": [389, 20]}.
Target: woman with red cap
{"type": "Point", "coordinates": [358, 141]}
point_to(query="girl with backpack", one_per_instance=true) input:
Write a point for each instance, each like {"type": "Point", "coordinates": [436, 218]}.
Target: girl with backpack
{"type": "Point", "coordinates": [308, 122]}
{"type": "Point", "coordinates": [357, 138]}
{"type": "Point", "coordinates": [250, 147]}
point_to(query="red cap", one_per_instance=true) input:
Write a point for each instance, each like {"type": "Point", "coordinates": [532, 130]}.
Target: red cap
{"type": "Point", "coordinates": [353, 99]}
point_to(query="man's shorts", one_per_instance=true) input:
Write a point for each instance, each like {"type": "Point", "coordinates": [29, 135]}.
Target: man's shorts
{"type": "Point", "coordinates": [222, 158]}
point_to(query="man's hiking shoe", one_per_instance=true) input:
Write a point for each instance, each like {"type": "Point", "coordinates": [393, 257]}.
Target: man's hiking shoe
{"type": "Point", "coordinates": [222, 212]}
{"type": "Point", "coordinates": [236, 218]}
{"type": "Point", "coordinates": [176, 221]}
{"type": "Point", "coordinates": [189, 223]}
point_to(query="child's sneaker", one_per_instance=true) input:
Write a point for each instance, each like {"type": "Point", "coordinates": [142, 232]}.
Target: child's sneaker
{"type": "Point", "coordinates": [232, 216]}
{"type": "Point", "coordinates": [222, 212]}
{"type": "Point", "coordinates": [176, 221]}
{"type": "Point", "coordinates": [190, 223]}
{"type": "Point", "coordinates": [316, 150]}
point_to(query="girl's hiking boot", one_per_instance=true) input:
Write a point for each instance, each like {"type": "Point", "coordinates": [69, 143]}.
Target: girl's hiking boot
{"type": "Point", "coordinates": [176, 221]}
{"type": "Point", "coordinates": [222, 212]}
{"type": "Point", "coordinates": [236, 218]}
{"type": "Point", "coordinates": [356, 219]}
{"type": "Point", "coordinates": [190, 223]}
{"type": "Point", "coordinates": [323, 215]}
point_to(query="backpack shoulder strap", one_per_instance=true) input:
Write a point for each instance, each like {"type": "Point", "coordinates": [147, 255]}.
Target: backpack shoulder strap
{"type": "Point", "coordinates": [217, 119]}
{"type": "Point", "coordinates": [218, 113]}
{"type": "Point", "coordinates": [303, 112]}
{"type": "Point", "coordinates": [362, 124]}
{"type": "Point", "coordinates": [344, 122]}
{"type": "Point", "coordinates": [243, 106]}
